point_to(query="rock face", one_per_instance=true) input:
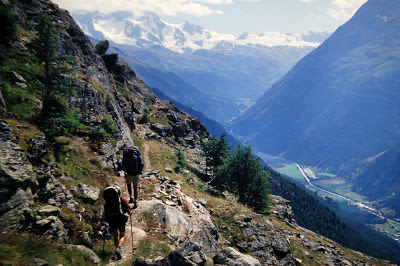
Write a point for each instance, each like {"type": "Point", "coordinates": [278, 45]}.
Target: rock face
{"type": "Point", "coordinates": [87, 193]}
{"type": "Point", "coordinates": [17, 182]}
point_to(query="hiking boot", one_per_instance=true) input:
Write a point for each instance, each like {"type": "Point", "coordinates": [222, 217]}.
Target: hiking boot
{"type": "Point", "coordinates": [134, 204]}
{"type": "Point", "coordinates": [118, 253]}
{"type": "Point", "coordinates": [131, 200]}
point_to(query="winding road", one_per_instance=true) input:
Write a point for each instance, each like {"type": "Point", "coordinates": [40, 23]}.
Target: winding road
{"type": "Point", "coordinates": [357, 203]}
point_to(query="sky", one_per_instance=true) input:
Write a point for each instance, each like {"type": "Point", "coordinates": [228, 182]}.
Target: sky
{"type": "Point", "coordinates": [236, 16]}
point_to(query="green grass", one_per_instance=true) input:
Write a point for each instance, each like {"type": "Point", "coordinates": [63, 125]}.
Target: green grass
{"type": "Point", "coordinates": [16, 249]}
{"type": "Point", "coordinates": [339, 186]}
{"type": "Point", "coordinates": [22, 102]}
{"type": "Point", "coordinates": [150, 248]}
{"type": "Point", "coordinates": [160, 120]}
{"type": "Point", "coordinates": [291, 170]}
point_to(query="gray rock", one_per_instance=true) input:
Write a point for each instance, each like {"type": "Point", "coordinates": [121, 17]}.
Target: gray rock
{"type": "Point", "coordinates": [49, 210]}
{"type": "Point", "coordinates": [16, 171]}
{"type": "Point", "coordinates": [17, 213]}
{"type": "Point", "coordinates": [198, 258]}
{"type": "Point", "coordinates": [280, 246]}
{"type": "Point", "coordinates": [197, 228]}
{"type": "Point", "coordinates": [190, 247]}
{"type": "Point", "coordinates": [16, 77]}
{"type": "Point", "coordinates": [37, 148]}
{"type": "Point", "coordinates": [86, 240]}
{"type": "Point", "coordinates": [19, 46]}
{"type": "Point", "coordinates": [283, 209]}
{"type": "Point", "coordinates": [38, 262]}
{"type": "Point", "coordinates": [110, 60]}
{"type": "Point", "coordinates": [93, 257]}
{"type": "Point", "coordinates": [102, 47]}
{"type": "Point", "coordinates": [3, 105]}
{"type": "Point", "coordinates": [88, 193]}
{"type": "Point", "coordinates": [53, 228]}
{"type": "Point", "coordinates": [231, 257]}
{"type": "Point", "coordinates": [168, 170]}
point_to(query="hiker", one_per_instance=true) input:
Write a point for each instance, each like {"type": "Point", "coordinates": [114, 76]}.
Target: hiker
{"type": "Point", "coordinates": [132, 164]}
{"type": "Point", "coordinates": [116, 210]}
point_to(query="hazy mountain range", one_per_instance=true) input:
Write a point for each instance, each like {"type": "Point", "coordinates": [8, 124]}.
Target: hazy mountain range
{"type": "Point", "coordinates": [232, 72]}
{"type": "Point", "coordinates": [339, 107]}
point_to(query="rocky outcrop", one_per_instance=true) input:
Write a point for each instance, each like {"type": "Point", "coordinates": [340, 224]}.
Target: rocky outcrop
{"type": "Point", "coordinates": [102, 47]}
{"type": "Point", "coordinates": [283, 209]}
{"type": "Point", "coordinates": [88, 193]}
{"type": "Point", "coordinates": [88, 252]}
{"type": "Point", "coordinates": [15, 170]}
{"type": "Point", "coordinates": [17, 182]}
{"type": "Point", "coordinates": [231, 257]}
{"type": "Point", "coordinates": [189, 255]}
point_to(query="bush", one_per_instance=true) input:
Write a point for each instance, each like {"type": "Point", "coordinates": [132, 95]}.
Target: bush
{"type": "Point", "coordinates": [145, 118]}
{"type": "Point", "coordinates": [8, 27]}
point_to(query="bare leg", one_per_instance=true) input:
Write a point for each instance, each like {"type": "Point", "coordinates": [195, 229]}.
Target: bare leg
{"type": "Point", "coordinates": [129, 189]}
{"type": "Point", "coordinates": [122, 239]}
{"type": "Point", "coordinates": [116, 237]}
{"type": "Point", "coordinates": [135, 191]}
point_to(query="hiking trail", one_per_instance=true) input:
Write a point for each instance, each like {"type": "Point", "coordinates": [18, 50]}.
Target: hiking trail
{"type": "Point", "coordinates": [146, 159]}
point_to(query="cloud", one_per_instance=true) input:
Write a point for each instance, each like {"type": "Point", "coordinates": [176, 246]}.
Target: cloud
{"type": "Point", "coordinates": [344, 9]}
{"type": "Point", "coordinates": [304, 1]}
{"type": "Point", "coordinates": [196, 8]}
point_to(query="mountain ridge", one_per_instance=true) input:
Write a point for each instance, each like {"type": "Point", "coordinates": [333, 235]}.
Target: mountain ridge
{"type": "Point", "coordinates": [338, 106]}
{"type": "Point", "coordinates": [143, 29]}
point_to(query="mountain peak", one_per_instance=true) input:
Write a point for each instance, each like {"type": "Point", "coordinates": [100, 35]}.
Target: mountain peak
{"type": "Point", "coordinates": [147, 29]}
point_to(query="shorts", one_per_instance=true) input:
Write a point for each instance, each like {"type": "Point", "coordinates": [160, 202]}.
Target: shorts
{"type": "Point", "coordinates": [118, 223]}
{"type": "Point", "coordinates": [135, 179]}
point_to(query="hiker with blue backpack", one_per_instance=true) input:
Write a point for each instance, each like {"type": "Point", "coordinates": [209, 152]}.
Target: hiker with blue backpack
{"type": "Point", "coordinates": [132, 165]}
{"type": "Point", "coordinates": [117, 212]}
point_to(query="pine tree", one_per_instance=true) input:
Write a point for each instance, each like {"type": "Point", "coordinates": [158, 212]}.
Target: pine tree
{"type": "Point", "coordinates": [215, 152]}
{"type": "Point", "coordinates": [56, 116]}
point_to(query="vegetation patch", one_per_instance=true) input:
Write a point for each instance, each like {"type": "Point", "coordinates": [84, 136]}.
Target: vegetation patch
{"type": "Point", "coordinates": [19, 249]}
{"type": "Point", "coordinates": [151, 248]}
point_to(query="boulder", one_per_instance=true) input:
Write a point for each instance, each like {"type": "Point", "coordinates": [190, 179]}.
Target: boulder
{"type": "Point", "coordinates": [17, 212]}
{"type": "Point", "coordinates": [182, 228]}
{"type": "Point", "coordinates": [110, 60]}
{"type": "Point", "coordinates": [49, 210]}
{"type": "Point", "coordinates": [38, 262]}
{"type": "Point", "coordinates": [230, 256]}
{"type": "Point", "coordinates": [102, 47]}
{"type": "Point", "coordinates": [53, 228]}
{"type": "Point", "coordinates": [90, 253]}
{"type": "Point", "coordinates": [280, 246]}
{"type": "Point", "coordinates": [198, 258]}
{"type": "Point", "coordinates": [88, 193]}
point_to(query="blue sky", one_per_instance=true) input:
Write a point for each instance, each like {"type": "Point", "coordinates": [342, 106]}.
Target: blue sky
{"type": "Point", "coordinates": [236, 16]}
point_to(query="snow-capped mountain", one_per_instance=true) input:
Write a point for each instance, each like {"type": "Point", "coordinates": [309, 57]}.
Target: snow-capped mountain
{"type": "Point", "coordinates": [231, 71]}
{"type": "Point", "coordinates": [147, 29]}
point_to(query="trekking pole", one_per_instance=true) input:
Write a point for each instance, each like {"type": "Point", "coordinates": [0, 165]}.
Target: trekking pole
{"type": "Point", "coordinates": [104, 241]}
{"type": "Point", "coordinates": [131, 232]}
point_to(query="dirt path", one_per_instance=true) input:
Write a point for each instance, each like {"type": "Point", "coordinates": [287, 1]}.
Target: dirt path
{"type": "Point", "coordinates": [146, 159]}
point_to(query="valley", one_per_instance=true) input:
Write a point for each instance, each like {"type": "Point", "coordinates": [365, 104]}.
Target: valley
{"type": "Point", "coordinates": [328, 185]}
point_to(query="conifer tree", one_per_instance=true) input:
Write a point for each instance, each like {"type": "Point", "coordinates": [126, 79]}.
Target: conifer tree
{"type": "Point", "coordinates": [56, 116]}
{"type": "Point", "coordinates": [216, 152]}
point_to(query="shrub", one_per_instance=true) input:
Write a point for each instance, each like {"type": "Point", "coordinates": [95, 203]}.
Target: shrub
{"type": "Point", "coordinates": [8, 27]}
{"type": "Point", "coordinates": [145, 118]}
